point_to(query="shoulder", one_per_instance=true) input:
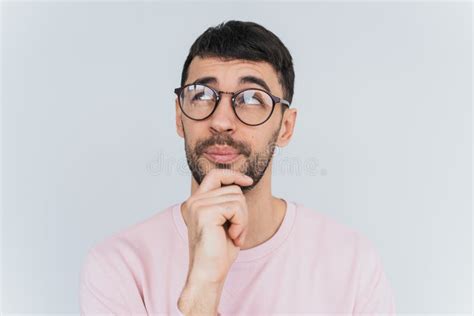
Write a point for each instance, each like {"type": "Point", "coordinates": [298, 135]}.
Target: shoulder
{"type": "Point", "coordinates": [323, 227]}
{"type": "Point", "coordinates": [343, 249]}
{"type": "Point", "coordinates": [332, 237]}
{"type": "Point", "coordinates": [132, 245]}
{"type": "Point", "coordinates": [113, 271]}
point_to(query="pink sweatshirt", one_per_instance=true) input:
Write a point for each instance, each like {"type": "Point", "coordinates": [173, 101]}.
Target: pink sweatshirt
{"type": "Point", "coordinates": [311, 265]}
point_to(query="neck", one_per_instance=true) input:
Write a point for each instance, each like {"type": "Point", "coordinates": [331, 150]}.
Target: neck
{"type": "Point", "coordinates": [266, 212]}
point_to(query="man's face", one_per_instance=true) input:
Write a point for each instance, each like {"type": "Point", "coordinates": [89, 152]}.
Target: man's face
{"type": "Point", "coordinates": [251, 147]}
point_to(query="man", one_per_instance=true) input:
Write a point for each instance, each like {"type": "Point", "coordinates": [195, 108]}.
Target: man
{"type": "Point", "coordinates": [232, 247]}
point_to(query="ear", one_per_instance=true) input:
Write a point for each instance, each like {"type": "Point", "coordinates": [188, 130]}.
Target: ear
{"type": "Point", "coordinates": [179, 120]}
{"type": "Point", "coordinates": [287, 127]}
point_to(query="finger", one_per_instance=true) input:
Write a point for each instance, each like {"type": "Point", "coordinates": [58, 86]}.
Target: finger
{"type": "Point", "coordinates": [218, 199]}
{"type": "Point", "coordinates": [218, 214]}
{"type": "Point", "coordinates": [240, 240]}
{"type": "Point", "coordinates": [242, 236]}
{"type": "Point", "coordinates": [228, 189]}
{"type": "Point", "coordinates": [219, 177]}
{"type": "Point", "coordinates": [237, 216]}
{"type": "Point", "coordinates": [235, 230]}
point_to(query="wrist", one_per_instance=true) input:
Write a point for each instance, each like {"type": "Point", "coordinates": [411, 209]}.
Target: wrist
{"type": "Point", "coordinates": [198, 298]}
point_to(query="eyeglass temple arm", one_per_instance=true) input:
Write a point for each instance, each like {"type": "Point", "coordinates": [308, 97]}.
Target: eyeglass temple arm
{"type": "Point", "coordinates": [285, 102]}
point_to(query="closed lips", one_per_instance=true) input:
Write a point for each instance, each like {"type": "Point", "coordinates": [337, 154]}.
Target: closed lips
{"type": "Point", "coordinates": [222, 154]}
{"type": "Point", "coordinates": [222, 151]}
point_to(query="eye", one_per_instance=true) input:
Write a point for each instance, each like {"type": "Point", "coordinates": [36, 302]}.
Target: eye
{"type": "Point", "coordinates": [201, 96]}
{"type": "Point", "coordinates": [253, 100]}
{"type": "Point", "coordinates": [251, 97]}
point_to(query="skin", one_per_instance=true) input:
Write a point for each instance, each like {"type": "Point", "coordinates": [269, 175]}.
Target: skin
{"type": "Point", "coordinates": [227, 194]}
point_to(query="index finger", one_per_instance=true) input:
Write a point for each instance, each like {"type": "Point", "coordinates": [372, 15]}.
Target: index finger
{"type": "Point", "coordinates": [219, 177]}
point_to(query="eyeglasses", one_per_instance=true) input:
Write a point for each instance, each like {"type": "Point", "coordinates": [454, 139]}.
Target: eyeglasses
{"type": "Point", "coordinates": [251, 106]}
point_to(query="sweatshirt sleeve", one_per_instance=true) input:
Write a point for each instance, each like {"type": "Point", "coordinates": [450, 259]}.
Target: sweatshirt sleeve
{"type": "Point", "coordinates": [103, 291]}
{"type": "Point", "coordinates": [375, 295]}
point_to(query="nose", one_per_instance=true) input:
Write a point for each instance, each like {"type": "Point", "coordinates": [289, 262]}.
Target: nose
{"type": "Point", "coordinates": [223, 119]}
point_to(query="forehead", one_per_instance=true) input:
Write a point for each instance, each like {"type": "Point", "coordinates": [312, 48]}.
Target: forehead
{"type": "Point", "coordinates": [229, 72]}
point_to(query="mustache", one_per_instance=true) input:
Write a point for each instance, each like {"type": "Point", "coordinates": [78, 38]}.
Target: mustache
{"type": "Point", "coordinates": [222, 139]}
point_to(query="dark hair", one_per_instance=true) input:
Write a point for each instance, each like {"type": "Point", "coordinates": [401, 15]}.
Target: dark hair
{"type": "Point", "coordinates": [247, 41]}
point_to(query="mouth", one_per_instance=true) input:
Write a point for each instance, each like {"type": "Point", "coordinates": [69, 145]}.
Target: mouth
{"type": "Point", "coordinates": [221, 154]}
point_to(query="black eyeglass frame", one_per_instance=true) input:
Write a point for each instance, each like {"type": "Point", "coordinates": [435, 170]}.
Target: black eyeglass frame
{"type": "Point", "coordinates": [218, 93]}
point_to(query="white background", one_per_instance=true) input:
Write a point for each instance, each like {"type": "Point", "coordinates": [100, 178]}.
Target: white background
{"type": "Point", "coordinates": [382, 143]}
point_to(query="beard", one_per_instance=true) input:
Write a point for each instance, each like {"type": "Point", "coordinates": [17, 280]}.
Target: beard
{"type": "Point", "coordinates": [255, 162]}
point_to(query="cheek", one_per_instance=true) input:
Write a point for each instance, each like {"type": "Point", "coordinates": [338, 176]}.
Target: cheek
{"type": "Point", "coordinates": [258, 139]}
{"type": "Point", "coordinates": [193, 130]}
{"type": "Point", "coordinates": [258, 143]}
{"type": "Point", "coordinates": [263, 143]}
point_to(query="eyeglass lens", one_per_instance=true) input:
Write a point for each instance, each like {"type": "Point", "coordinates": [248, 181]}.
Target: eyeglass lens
{"type": "Point", "coordinates": [252, 106]}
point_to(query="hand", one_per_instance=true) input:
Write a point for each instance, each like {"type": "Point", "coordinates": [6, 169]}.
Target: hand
{"type": "Point", "coordinates": [217, 226]}
{"type": "Point", "coordinates": [212, 248]}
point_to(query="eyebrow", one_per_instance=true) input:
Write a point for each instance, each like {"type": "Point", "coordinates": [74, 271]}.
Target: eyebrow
{"type": "Point", "coordinates": [245, 79]}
